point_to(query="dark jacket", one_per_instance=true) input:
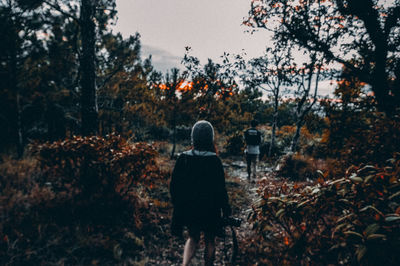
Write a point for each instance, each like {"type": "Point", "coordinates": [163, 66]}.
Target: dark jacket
{"type": "Point", "coordinates": [252, 136]}
{"type": "Point", "coordinates": [198, 192]}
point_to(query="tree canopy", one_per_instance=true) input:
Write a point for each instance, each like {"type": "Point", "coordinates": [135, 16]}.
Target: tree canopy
{"type": "Point", "coordinates": [362, 35]}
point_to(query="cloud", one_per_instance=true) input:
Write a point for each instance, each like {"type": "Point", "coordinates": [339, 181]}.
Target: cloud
{"type": "Point", "coordinates": [162, 60]}
{"type": "Point", "coordinates": [326, 88]}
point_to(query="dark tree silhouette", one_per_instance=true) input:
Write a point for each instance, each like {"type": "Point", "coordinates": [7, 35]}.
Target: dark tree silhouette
{"type": "Point", "coordinates": [365, 31]}
{"type": "Point", "coordinates": [89, 109]}
{"type": "Point", "coordinates": [18, 21]}
{"type": "Point", "coordinates": [91, 12]}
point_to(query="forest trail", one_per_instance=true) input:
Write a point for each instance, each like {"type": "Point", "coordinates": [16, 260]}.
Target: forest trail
{"type": "Point", "coordinates": [167, 250]}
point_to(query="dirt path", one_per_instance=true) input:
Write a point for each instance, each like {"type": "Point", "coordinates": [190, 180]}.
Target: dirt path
{"type": "Point", "coordinates": [168, 250]}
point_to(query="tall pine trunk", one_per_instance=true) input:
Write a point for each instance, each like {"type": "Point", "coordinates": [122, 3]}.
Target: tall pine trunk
{"type": "Point", "coordinates": [20, 145]}
{"type": "Point", "coordinates": [274, 125]}
{"type": "Point", "coordinates": [15, 89]}
{"type": "Point", "coordinates": [386, 101]}
{"type": "Point", "coordinates": [89, 109]}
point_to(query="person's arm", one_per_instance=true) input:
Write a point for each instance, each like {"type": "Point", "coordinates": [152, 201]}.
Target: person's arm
{"type": "Point", "coordinates": [224, 199]}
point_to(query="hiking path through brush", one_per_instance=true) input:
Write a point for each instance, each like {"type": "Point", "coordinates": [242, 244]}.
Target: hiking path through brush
{"type": "Point", "coordinates": [160, 248]}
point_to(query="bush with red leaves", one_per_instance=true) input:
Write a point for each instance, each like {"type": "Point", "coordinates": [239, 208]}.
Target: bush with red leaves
{"type": "Point", "coordinates": [352, 220]}
{"type": "Point", "coordinates": [80, 199]}
{"type": "Point", "coordinates": [97, 175]}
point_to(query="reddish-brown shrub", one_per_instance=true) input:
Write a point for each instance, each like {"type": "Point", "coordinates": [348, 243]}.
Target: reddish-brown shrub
{"type": "Point", "coordinates": [82, 192]}
{"type": "Point", "coordinates": [297, 167]}
{"type": "Point", "coordinates": [359, 136]}
{"type": "Point", "coordinates": [353, 220]}
{"type": "Point", "coordinates": [96, 175]}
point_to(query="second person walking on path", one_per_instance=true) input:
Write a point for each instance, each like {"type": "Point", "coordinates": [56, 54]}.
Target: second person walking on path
{"type": "Point", "coordinates": [253, 138]}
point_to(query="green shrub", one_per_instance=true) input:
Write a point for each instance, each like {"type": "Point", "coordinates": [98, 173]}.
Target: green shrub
{"type": "Point", "coordinates": [234, 144]}
{"type": "Point", "coordinates": [158, 132]}
{"type": "Point", "coordinates": [277, 150]}
{"type": "Point", "coordinates": [183, 133]}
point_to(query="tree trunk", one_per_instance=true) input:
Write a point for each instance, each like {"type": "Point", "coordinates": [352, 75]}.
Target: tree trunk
{"type": "Point", "coordinates": [274, 125]}
{"type": "Point", "coordinates": [302, 108]}
{"type": "Point", "coordinates": [20, 145]}
{"type": "Point", "coordinates": [15, 89]}
{"type": "Point", "coordinates": [89, 109]}
{"type": "Point", "coordinates": [296, 136]}
{"type": "Point", "coordinates": [386, 102]}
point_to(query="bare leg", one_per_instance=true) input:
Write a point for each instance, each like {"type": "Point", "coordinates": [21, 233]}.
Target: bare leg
{"type": "Point", "coordinates": [189, 251]}
{"type": "Point", "coordinates": [209, 250]}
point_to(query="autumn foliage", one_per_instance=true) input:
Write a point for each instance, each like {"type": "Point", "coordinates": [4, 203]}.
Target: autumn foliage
{"type": "Point", "coordinates": [298, 168]}
{"type": "Point", "coordinates": [352, 220]}
{"type": "Point", "coordinates": [77, 198]}
{"type": "Point", "coordinates": [355, 132]}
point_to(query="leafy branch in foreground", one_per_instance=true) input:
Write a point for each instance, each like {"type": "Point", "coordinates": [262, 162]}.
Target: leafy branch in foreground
{"type": "Point", "coordinates": [355, 219]}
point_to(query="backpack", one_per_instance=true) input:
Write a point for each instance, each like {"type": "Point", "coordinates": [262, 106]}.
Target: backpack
{"type": "Point", "coordinates": [252, 137]}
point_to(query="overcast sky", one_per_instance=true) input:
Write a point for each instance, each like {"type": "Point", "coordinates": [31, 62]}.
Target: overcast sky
{"type": "Point", "coordinates": [209, 27]}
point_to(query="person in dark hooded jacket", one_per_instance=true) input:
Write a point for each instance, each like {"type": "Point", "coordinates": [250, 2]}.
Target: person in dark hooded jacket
{"type": "Point", "coordinates": [198, 193]}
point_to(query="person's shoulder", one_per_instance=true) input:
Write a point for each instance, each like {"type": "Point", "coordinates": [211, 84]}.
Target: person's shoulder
{"type": "Point", "coordinates": [252, 130]}
{"type": "Point", "coordinates": [196, 153]}
{"type": "Point", "coordinates": [185, 153]}
{"type": "Point", "coordinates": [182, 156]}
